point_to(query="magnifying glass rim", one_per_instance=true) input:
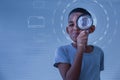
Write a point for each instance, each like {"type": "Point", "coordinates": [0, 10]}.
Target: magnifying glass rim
{"type": "Point", "coordinates": [82, 16]}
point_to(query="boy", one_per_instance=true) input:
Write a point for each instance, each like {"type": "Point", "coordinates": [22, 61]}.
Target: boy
{"type": "Point", "coordinates": [79, 61]}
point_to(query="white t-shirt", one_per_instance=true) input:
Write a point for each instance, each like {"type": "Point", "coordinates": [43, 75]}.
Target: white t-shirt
{"type": "Point", "coordinates": [92, 63]}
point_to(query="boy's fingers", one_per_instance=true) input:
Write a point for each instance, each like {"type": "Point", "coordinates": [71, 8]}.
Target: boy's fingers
{"type": "Point", "coordinates": [85, 32]}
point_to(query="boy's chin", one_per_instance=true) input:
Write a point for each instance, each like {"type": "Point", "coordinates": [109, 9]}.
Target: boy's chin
{"type": "Point", "coordinates": [75, 41]}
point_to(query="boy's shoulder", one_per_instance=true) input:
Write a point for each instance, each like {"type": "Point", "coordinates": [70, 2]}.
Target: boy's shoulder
{"type": "Point", "coordinates": [98, 49]}
{"type": "Point", "coordinates": [66, 48]}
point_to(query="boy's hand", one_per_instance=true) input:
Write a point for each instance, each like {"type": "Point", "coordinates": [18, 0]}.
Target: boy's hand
{"type": "Point", "coordinates": [82, 39]}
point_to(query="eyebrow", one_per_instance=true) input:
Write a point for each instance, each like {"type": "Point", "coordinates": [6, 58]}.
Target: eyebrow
{"type": "Point", "coordinates": [70, 21]}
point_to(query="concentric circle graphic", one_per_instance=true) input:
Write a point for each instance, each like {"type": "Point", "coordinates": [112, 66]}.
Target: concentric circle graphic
{"type": "Point", "coordinates": [102, 12]}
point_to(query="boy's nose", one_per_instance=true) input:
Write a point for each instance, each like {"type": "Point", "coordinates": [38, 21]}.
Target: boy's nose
{"type": "Point", "coordinates": [76, 28]}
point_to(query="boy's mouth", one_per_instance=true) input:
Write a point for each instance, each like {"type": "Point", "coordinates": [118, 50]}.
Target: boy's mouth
{"type": "Point", "coordinates": [75, 35]}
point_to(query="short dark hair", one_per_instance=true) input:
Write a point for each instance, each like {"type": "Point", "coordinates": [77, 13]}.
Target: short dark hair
{"type": "Point", "coordinates": [81, 10]}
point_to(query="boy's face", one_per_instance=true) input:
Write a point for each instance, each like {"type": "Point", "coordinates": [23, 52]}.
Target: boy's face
{"type": "Point", "coordinates": [72, 28]}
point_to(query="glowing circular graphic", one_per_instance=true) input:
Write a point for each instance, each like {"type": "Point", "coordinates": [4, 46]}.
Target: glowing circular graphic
{"type": "Point", "coordinates": [102, 19]}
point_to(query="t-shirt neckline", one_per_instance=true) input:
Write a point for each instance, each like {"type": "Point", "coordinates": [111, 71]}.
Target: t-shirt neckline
{"type": "Point", "coordinates": [85, 52]}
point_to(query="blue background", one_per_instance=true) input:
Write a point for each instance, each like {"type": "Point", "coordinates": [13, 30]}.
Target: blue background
{"type": "Point", "coordinates": [31, 30]}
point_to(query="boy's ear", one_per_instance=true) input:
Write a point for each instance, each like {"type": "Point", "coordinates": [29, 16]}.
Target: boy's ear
{"type": "Point", "coordinates": [92, 29]}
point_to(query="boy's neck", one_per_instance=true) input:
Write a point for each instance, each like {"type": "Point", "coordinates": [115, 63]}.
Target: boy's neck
{"type": "Point", "coordinates": [88, 48]}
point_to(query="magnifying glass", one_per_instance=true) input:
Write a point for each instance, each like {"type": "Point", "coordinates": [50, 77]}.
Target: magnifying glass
{"type": "Point", "coordinates": [84, 22]}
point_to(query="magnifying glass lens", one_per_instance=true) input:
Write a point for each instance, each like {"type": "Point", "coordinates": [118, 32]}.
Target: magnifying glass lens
{"type": "Point", "coordinates": [85, 22]}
